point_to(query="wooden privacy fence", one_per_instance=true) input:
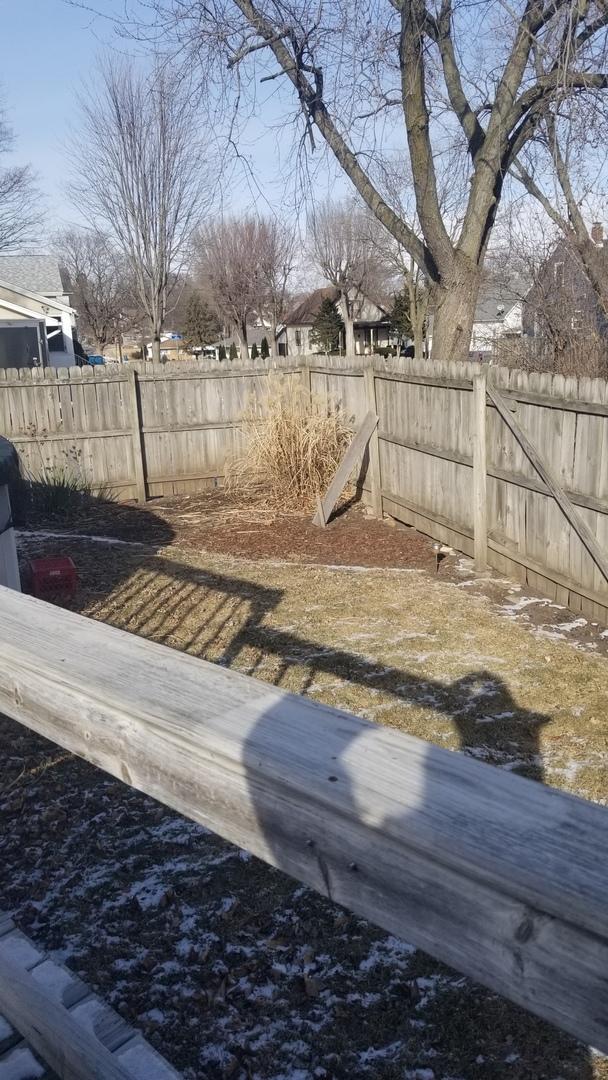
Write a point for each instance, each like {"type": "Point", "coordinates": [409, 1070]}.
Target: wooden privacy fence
{"type": "Point", "coordinates": [497, 875]}
{"type": "Point", "coordinates": [514, 472]}
{"type": "Point", "coordinates": [135, 431]}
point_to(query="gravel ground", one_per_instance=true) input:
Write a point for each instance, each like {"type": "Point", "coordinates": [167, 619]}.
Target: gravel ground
{"type": "Point", "coordinates": [230, 968]}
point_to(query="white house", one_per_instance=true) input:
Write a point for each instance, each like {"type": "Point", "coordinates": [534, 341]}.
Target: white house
{"type": "Point", "coordinates": [37, 323]}
{"type": "Point", "coordinates": [498, 314]}
{"type": "Point", "coordinates": [372, 324]}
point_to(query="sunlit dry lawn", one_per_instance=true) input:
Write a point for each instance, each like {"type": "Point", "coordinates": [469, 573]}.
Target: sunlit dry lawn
{"type": "Point", "coordinates": [238, 971]}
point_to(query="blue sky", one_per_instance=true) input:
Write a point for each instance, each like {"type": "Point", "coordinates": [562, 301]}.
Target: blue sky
{"type": "Point", "coordinates": [50, 49]}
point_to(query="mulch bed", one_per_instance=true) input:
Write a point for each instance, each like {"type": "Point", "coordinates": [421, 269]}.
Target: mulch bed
{"type": "Point", "coordinates": [213, 521]}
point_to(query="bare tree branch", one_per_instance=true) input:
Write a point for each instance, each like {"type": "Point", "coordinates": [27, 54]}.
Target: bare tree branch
{"type": "Point", "coordinates": [141, 178]}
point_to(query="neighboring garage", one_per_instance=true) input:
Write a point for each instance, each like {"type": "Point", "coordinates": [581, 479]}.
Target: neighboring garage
{"type": "Point", "coordinates": [37, 323]}
{"type": "Point", "coordinates": [23, 344]}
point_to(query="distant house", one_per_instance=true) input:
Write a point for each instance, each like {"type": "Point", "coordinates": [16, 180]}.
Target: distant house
{"type": "Point", "coordinates": [255, 336]}
{"type": "Point", "coordinates": [562, 302]}
{"type": "Point", "coordinates": [172, 347]}
{"type": "Point", "coordinates": [372, 324]}
{"type": "Point", "coordinates": [498, 314]}
{"type": "Point", "coordinates": [37, 323]}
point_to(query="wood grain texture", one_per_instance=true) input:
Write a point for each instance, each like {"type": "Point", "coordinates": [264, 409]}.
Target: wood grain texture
{"type": "Point", "coordinates": [345, 468]}
{"type": "Point", "coordinates": [499, 876]}
{"type": "Point", "coordinates": [136, 433]}
{"type": "Point", "coordinates": [374, 470]}
{"type": "Point", "coordinates": [546, 473]}
{"type": "Point", "coordinates": [480, 473]}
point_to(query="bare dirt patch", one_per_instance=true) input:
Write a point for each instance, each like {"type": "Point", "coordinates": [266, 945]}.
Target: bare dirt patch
{"type": "Point", "coordinates": [230, 968]}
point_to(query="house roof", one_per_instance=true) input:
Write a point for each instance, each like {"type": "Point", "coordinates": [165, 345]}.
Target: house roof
{"type": "Point", "coordinates": [497, 297]}
{"type": "Point", "coordinates": [305, 311]}
{"type": "Point", "coordinates": [37, 273]}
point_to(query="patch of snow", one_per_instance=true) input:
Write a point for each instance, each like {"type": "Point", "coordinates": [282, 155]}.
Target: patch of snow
{"type": "Point", "coordinates": [574, 625]}
{"type": "Point", "coordinates": [369, 1056]}
{"type": "Point", "coordinates": [390, 951]}
{"type": "Point", "coordinates": [492, 719]}
{"type": "Point", "coordinates": [43, 534]}
{"type": "Point", "coordinates": [519, 605]}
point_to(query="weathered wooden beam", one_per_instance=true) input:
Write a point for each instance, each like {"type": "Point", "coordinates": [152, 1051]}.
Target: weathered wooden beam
{"type": "Point", "coordinates": [597, 553]}
{"type": "Point", "coordinates": [499, 876]}
{"type": "Point", "coordinates": [345, 468]}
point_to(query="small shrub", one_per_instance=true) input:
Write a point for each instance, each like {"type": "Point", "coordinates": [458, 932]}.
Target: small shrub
{"type": "Point", "coordinates": [234, 352]}
{"type": "Point", "coordinates": [254, 351]}
{"type": "Point", "coordinates": [292, 447]}
{"type": "Point", "coordinates": [51, 491]}
{"type": "Point", "coordinates": [264, 348]}
{"type": "Point", "coordinates": [58, 495]}
{"type": "Point", "coordinates": [221, 352]}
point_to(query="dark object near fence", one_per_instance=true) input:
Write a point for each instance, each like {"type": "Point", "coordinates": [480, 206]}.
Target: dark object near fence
{"type": "Point", "coordinates": [54, 574]}
{"type": "Point", "coordinates": [9, 472]}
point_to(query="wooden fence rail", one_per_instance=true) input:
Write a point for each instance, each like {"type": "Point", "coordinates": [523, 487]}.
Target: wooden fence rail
{"type": "Point", "coordinates": [499, 876]}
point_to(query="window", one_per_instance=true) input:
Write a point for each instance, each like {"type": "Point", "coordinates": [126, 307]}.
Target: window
{"type": "Point", "coordinates": [298, 338]}
{"type": "Point", "coordinates": [558, 273]}
{"type": "Point", "coordinates": [577, 320]}
{"type": "Point", "coordinates": [55, 340]}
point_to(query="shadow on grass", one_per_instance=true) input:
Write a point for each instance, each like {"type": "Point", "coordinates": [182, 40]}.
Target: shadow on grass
{"type": "Point", "coordinates": [158, 597]}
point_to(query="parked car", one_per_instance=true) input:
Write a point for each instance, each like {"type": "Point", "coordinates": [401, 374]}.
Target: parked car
{"type": "Point", "coordinates": [95, 361]}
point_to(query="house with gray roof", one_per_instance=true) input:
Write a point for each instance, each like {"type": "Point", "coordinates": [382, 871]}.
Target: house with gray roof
{"type": "Point", "coordinates": [37, 322]}
{"type": "Point", "coordinates": [372, 323]}
{"type": "Point", "coordinates": [498, 314]}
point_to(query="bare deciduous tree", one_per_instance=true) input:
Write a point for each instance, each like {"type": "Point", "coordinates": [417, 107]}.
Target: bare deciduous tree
{"type": "Point", "coordinates": [244, 270]}
{"type": "Point", "coordinates": [340, 245]}
{"type": "Point", "coordinates": [19, 200]}
{"type": "Point", "coordinates": [142, 177]}
{"type": "Point", "coordinates": [98, 284]}
{"type": "Point", "coordinates": [228, 272]}
{"type": "Point", "coordinates": [459, 75]}
{"type": "Point", "coordinates": [277, 252]}
{"type": "Point", "coordinates": [566, 210]}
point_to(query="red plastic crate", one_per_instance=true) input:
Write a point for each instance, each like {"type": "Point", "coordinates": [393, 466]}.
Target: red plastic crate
{"type": "Point", "coordinates": [55, 574]}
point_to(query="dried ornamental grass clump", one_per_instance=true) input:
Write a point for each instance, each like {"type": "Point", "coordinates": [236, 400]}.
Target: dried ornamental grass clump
{"type": "Point", "coordinates": [292, 445]}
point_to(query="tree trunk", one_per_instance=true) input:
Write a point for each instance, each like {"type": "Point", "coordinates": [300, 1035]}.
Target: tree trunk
{"type": "Point", "coordinates": [455, 303]}
{"type": "Point", "coordinates": [349, 333]}
{"type": "Point", "coordinates": [156, 348]}
{"type": "Point", "coordinates": [244, 345]}
{"type": "Point", "coordinates": [418, 328]}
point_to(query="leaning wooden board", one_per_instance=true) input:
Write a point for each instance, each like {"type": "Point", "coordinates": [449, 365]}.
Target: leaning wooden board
{"type": "Point", "coordinates": [345, 468]}
{"type": "Point", "coordinates": [499, 876]}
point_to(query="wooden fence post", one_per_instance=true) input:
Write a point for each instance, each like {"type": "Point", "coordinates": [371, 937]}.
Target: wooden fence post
{"type": "Point", "coordinates": [480, 497]}
{"type": "Point", "coordinates": [373, 446]}
{"type": "Point", "coordinates": [138, 456]}
{"type": "Point", "coordinates": [306, 379]}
